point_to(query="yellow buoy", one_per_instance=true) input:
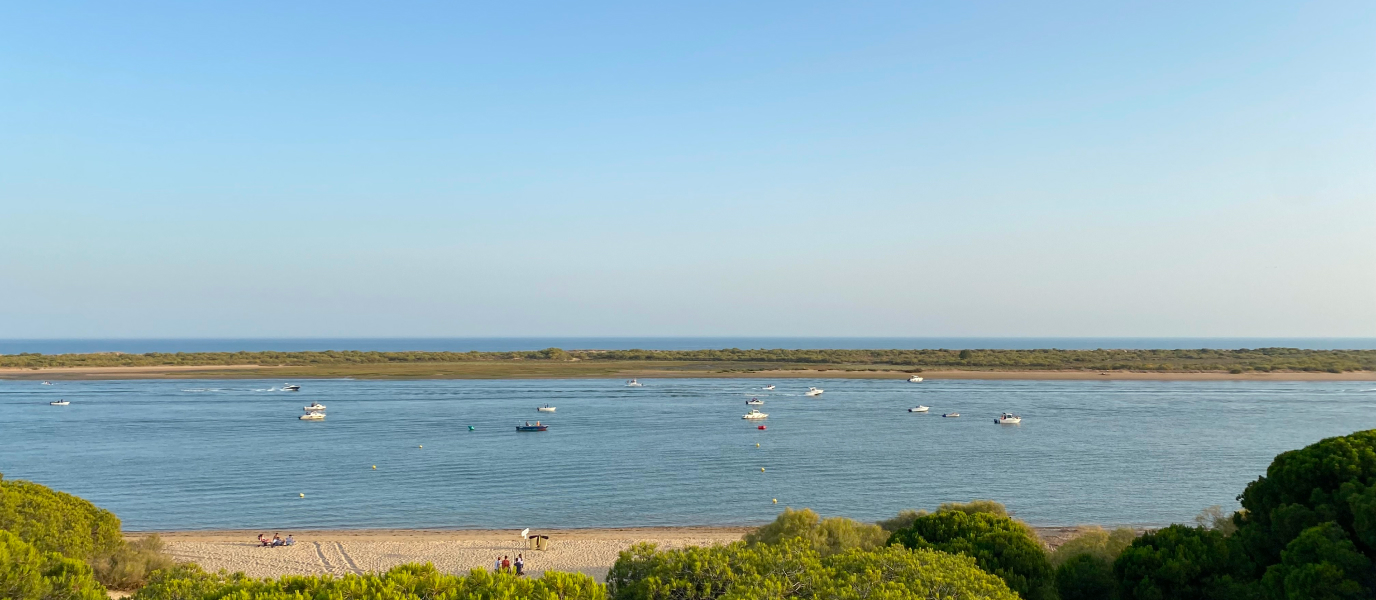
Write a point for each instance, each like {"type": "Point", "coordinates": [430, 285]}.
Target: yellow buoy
{"type": "Point", "coordinates": [776, 500]}
{"type": "Point", "coordinates": [420, 446]}
{"type": "Point", "coordinates": [303, 495]}
{"type": "Point", "coordinates": [761, 469]}
{"type": "Point", "coordinates": [757, 444]}
{"type": "Point", "coordinates": [374, 467]}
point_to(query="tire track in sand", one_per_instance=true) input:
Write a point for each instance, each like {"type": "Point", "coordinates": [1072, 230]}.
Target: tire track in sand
{"type": "Point", "coordinates": [323, 561]}
{"type": "Point", "coordinates": [347, 558]}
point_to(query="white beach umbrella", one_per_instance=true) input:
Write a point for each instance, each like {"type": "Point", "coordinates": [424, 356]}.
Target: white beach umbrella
{"type": "Point", "coordinates": [525, 533]}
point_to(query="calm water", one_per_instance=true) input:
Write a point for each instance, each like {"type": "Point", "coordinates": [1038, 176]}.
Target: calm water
{"type": "Point", "coordinates": [231, 454]}
{"type": "Point", "coordinates": [510, 344]}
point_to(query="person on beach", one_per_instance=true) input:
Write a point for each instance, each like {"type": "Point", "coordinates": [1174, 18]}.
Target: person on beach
{"type": "Point", "coordinates": [262, 539]}
{"type": "Point", "coordinates": [289, 541]}
{"type": "Point", "coordinates": [497, 566]}
{"type": "Point", "coordinates": [520, 565]}
{"type": "Point", "coordinates": [506, 564]}
{"type": "Point", "coordinates": [276, 540]}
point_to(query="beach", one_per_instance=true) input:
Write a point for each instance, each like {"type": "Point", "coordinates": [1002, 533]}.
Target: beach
{"type": "Point", "coordinates": [590, 551]}
{"type": "Point", "coordinates": [337, 552]}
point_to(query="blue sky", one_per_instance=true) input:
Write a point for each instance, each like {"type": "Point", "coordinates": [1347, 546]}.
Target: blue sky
{"type": "Point", "coordinates": [785, 168]}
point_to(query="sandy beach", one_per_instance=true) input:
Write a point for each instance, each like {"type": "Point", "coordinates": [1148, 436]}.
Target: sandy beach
{"type": "Point", "coordinates": [590, 551]}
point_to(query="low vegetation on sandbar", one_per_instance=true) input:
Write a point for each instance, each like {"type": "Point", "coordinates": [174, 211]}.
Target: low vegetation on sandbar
{"type": "Point", "coordinates": [1306, 531]}
{"type": "Point", "coordinates": [555, 362]}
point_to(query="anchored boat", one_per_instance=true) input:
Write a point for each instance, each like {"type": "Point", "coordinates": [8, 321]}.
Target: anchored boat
{"type": "Point", "coordinates": [315, 407]}
{"type": "Point", "coordinates": [536, 427]}
{"type": "Point", "coordinates": [545, 408]}
{"type": "Point", "coordinates": [952, 415]}
{"type": "Point", "coordinates": [755, 402]}
{"type": "Point", "coordinates": [919, 408]}
{"type": "Point", "coordinates": [60, 403]}
{"type": "Point", "coordinates": [914, 379]}
{"type": "Point", "coordinates": [754, 414]}
{"type": "Point", "coordinates": [313, 416]}
{"type": "Point", "coordinates": [1008, 419]}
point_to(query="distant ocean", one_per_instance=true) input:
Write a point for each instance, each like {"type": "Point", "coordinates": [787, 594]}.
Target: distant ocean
{"type": "Point", "coordinates": [506, 344]}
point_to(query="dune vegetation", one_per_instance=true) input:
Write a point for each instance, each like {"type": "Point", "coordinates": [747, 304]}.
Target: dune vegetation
{"type": "Point", "coordinates": [555, 362]}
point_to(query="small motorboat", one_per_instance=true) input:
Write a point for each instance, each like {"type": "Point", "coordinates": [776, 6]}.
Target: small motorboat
{"type": "Point", "coordinates": [952, 415]}
{"type": "Point", "coordinates": [46, 383]}
{"type": "Point", "coordinates": [291, 387]}
{"type": "Point", "coordinates": [755, 402]}
{"type": "Point", "coordinates": [536, 427]}
{"type": "Point", "coordinates": [768, 388]}
{"type": "Point", "coordinates": [914, 379]}
{"type": "Point", "coordinates": [1008, 419]}
{"type": "Point", "coordinates": [313, 416]}
{"type": "Point", "coordinates": [634, 383]}
{"type": "Point", "coordinates": [545, 408]}
{"type": "Point", "coordinates": [59, 403]}
{"type": "Point", "coordinates": [920, 408]}
{"type": "Point", "coordinates": [812, 391]}
{"type": "Point", "coordinates": [755, 414]}
{"type": "Point", "coordinates": [315, 407]}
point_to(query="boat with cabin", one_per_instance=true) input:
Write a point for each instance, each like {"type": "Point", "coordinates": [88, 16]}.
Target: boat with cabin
{"type": "Point", "coordinates": [313, 416]}
{"type": "Point", "coordinates": [59, 403]}
{"type": "Point", "coordinates": [291, 387]}
{"type": "Point", "coordinates": [755, 402]}
{"type": "Point", "coordinates": [754, 414]}
{"type": "Point", "coordinates": [315, 407]}
{"type": "Point", "coordinates": [545, 408]}
{"type": "Point", "coordinates": [1008, 419]}
{"type": "Point", "coordinates": [920, 408]}
{"type": "Point", "coordinates": [634, 383]}
{"type": "Point", "coordinates": [812, 391]}
{"type": "Point", "coordinates": [914, 379]}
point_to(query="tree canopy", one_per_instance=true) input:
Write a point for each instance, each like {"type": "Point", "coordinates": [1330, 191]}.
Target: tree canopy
{"type": "Point", "coordinates": [27, 573]}
{"type": "Point", "coordinates": [999, 545]}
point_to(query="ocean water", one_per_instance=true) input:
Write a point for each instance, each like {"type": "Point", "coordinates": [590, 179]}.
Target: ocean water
{"type": "Point", "coordinates": [232, 454]}
{"type": "Point", "coordinates": [509, 344]}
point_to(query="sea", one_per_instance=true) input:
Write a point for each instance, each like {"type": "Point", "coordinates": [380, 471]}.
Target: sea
{"type": "Point", "coordinates": [510, 344]}
{"type": "Point", "coordinates": [232, 454]}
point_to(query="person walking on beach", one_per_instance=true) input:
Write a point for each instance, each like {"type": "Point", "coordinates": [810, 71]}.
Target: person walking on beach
{"type": "Point", "coordinates": [497, 566]}
{"type": "Point", "coordinates": [506, 564]}
{"type": "Point", "coordinates": [520, 565]}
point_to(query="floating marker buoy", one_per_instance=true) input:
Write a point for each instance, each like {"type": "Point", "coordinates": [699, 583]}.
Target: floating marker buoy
{"type": "Point", "coordinates": [374, 467]}
{"type": "Point", "coordinates": [420, 446]}
{"type": "Point", "coordinates": [776, 500]}
{"type": "Point", "coordinates": [760, 427]}
{"type": "Point", "coordinates": [761, 469]}
{"type": "Point", "coordinates": [757, 444]}
{"type": "Point", "coordinates": [303, 495]}
{"type": "Point", "coordinates": [470, 428]}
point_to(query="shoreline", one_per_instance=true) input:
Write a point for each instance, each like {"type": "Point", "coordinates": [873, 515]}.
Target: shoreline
{"type": "Point", "coordinates": [337, 552]}
{"type": "Point", "coordinates": [227, 372]}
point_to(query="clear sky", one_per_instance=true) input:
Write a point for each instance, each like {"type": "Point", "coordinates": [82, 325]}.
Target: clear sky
{"type": "Point", "coordinates": [646, 168]}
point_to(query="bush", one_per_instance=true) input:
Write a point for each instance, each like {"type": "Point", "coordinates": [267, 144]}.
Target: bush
{"type": "Point", "coordinates": [1094, 541]}
{"type": "Point", "coordinates": [1086, 577]}
{"type": "Point", "coordinates": [405, 582]}
{"type": "Point", "coordinates": [827, 537]}
{"type": "Point", "coordinates": [56, 522]}
{"type": "Point", "coordinates": [27, 573]}
{"type": "Point", "coordinates": [989, 507]}
{"type": "Point", "coordinates": [793, 569]}
{"type": "Point", "coordinates": [1181, 562]}
{"type": "Point", "coordinates": [130, 566]}
{"type": "Point", "coordinates": [903, 520]}
{"type": "Point", "coordinates": [1324, 493]}
{"type": "Point", "coordinates": [999, 545]}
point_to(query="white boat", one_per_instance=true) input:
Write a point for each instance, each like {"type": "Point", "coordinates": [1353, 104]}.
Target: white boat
{"type": "Point", "coordinates": [812, 391]}
{"type": "Point", "coordinates": [1008, 419]}
{"type": "Point", "coordinates": [634, 383]}
{"type": "Point", "coordinates": [952, 415]}
{"type": "Point", "coordinates": [755, 402]}
{"type": "Point", "coordinates": [768, 388]}
{"type": "Point", "coordinates": [313, 416]}
{"type": "Point", "coordinates": [914, 379]}
{"type": "Point", "coordinates": [919, 408]}
{"type": "Point", "coordinates": [754, 414]}
{"type": "Point", "coordinates": [545, 408]}
{"type": "Point", "coordinates": [315, 407]}
{"type": "Point", "coordinates": [46, 383]}
{"type": "Point", "coordinates": [60, 403]}
{"type": "Point", "coordinates": [291, 387]}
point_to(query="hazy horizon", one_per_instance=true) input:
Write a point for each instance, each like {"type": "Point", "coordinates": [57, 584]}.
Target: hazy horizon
{"type": "Point", "coordinates": [774, 169]}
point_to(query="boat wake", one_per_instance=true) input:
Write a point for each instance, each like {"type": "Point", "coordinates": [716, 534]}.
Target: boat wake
{"type": "Point", "coordinates": [201, 390]}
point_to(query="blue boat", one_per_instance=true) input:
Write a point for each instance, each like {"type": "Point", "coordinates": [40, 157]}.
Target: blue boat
{"type": "Point", "coordinates": [535, 427]}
